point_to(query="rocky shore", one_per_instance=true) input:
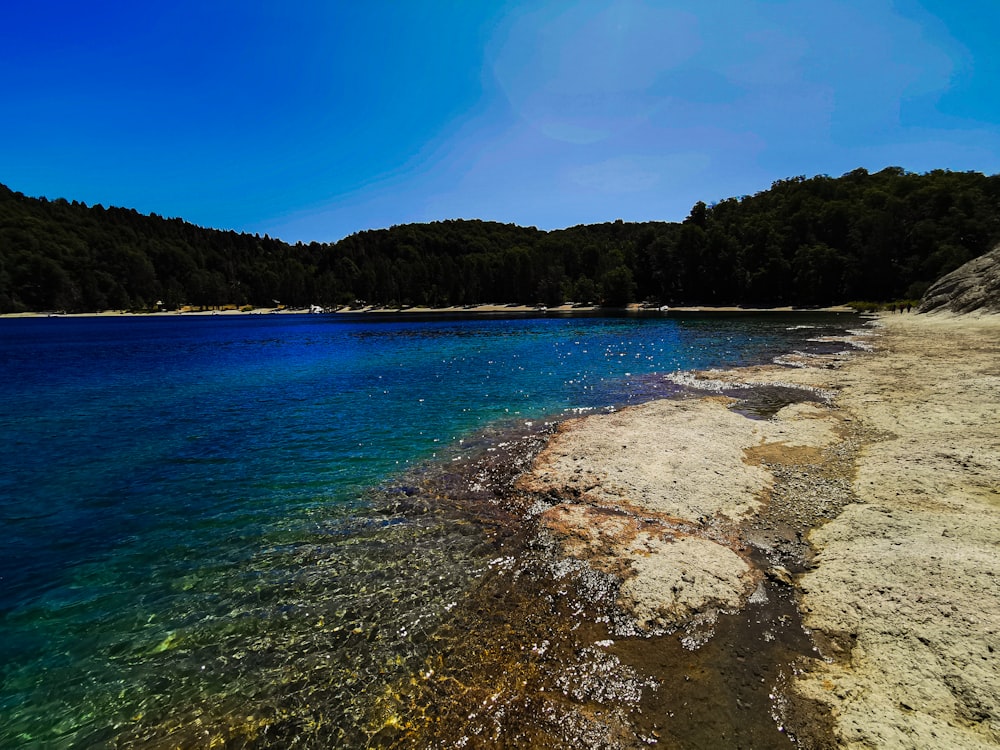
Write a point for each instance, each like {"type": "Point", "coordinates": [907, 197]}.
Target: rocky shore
{"type": "Point", "coordinates": [867, 487]}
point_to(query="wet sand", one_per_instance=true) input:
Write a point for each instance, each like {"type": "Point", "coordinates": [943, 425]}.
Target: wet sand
{"type": "Point", "coordinates": [875, 518]}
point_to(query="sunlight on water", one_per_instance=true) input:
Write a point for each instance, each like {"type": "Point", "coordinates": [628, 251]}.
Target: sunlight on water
{"type": "Point", "coordinates": [274, 529]}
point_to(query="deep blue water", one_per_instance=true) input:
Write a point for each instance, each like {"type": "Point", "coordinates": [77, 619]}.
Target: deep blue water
{"type": "Point", "coordinates": [181, 492]}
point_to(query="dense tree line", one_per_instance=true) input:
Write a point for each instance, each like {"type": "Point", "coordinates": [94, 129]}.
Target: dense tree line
{"type": "Point", "coordinates": [813, 241]}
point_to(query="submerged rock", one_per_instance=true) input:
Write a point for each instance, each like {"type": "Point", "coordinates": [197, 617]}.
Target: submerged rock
{"type": "Point", "coordinates": [969, 288]}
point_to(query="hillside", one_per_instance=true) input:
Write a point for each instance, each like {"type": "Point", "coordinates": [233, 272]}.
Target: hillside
{"type": "Point", "coordinates": [814, 241]}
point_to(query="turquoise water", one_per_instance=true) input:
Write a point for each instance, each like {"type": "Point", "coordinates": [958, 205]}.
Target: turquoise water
{"type": "Point", "coordinates": [197, 527]}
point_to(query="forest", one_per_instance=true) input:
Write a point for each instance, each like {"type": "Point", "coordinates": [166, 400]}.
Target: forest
{"type": "Point", "coordinates": [804, 241]}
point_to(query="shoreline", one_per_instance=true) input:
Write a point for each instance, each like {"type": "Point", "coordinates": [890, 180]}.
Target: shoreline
{"type": "Point", "coordinates": [660, 573]}
{"type": "Point", "coordinates": [455, 310]}
{"type": "Point", "coordinates": [904, 598]}
{"type": "Point", "coordinates": [878, 512]}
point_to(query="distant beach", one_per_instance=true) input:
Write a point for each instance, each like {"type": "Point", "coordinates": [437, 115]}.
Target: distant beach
{"type": "Point", "coordinates": [455, 310]}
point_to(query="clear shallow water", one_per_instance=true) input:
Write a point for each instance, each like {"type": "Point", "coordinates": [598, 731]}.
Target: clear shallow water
{"type": "Point", "coordinates": [196, 535]}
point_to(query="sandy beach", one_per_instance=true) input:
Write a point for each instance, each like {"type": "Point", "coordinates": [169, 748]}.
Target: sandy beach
{"type": "Point", "coordinates": [455, 310]}
{"type": "Point", "coordinates": [875, 500]}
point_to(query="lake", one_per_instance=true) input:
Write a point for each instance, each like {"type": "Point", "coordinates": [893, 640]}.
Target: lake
{"type": "Point", "coordinates": [263, 530]}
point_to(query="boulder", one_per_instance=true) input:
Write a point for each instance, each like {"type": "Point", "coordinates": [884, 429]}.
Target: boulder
{"type": "Point", "coordinates": [969, 288]}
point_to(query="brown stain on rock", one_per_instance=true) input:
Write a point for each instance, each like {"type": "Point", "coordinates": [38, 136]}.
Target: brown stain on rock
{"type": "Point", "coordinates": [781, 453]}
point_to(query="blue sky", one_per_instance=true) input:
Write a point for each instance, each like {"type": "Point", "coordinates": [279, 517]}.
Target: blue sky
{"type": "Point", "coordinates": [313, 120]}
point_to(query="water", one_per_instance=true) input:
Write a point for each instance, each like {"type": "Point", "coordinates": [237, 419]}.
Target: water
{"type": "Point", "coordinates": [253, 531]}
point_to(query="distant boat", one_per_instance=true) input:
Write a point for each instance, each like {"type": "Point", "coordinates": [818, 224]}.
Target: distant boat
{"type": "Point", "coordinates": [665, 308]}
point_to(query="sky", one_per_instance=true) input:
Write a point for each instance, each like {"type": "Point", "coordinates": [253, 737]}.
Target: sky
{"type": "Point", "coordinates": [312, 120]}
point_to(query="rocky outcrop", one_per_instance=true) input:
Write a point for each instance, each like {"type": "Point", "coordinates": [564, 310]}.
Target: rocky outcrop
{"type": "Point", "coordinates": [654, 495]}
{"type": "Point", "coordinates": [970, 288]}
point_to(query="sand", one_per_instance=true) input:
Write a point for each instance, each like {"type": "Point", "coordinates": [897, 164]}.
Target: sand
{"type": "Point", "coordinates": [454, 310]}
{"type": "Point", "coordinates": [880, 507]}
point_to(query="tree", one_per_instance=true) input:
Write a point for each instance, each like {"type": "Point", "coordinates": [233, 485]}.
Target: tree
{"type": "Point", "coordinates": [584, 291]}
{"type": "Point", "coordinates": [617, 287]}
{"type": "Point", "coordinates": [818, 273]}
{"type": "Point", "coordinates": [805, 240]}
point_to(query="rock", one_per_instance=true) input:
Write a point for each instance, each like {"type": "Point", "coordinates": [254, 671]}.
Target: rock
{"type": "Point", "coordinates": [780, 573]}
{"type": "Point", "coordinates": [676, 579]}
{"type": "Point", "coordinates": [904, 616]}
{"type": "Point", "coordinates": [667, 577]}
{"type": "Point", "coordinates": [969, 288]}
